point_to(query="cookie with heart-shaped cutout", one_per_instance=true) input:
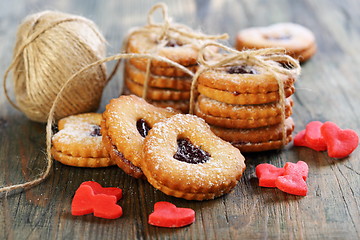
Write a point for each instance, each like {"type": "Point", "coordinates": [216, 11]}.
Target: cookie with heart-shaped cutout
{"type": "Point", "coordinates": [182, 157]}
{"type": "Point", "coordinates": [126, 122]}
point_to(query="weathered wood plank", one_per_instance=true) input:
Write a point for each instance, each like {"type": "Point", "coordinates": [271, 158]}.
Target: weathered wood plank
{"type": "Point", "coordinates": [327, 90]}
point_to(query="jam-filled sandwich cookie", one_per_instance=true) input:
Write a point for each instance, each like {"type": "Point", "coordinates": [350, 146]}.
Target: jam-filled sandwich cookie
{"type": "Point", "coordinates": [243, 84]}
{"type": "Point", "coordinates": [241, 116]}
{"type": "Point", "coordinates": [157, 81]}
{"type": "Point", "coordinates": [126, 122]}
{"type": "Point", "coordinates": [183, 158]}
{"type": "Point", "coordinates": [257, 139]}
{"type": "Point", "coordinates": [157, 94]}
{"type": "Point", "coordinates": [296, 39]}
{"type": "Point", "coordinates": [79, 142]}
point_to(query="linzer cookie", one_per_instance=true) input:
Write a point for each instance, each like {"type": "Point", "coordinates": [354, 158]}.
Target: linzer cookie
{"type": "Point", "coordinates": [243, 98]}
{"type": "Point", "coordinates": [157, 94]}
{"type": "Point", "coordinates": [298, 41]}
{"type": "Point", "coordinates": [126, 122]}
{"type": "Point", "coordinates": [254, 112]}
{"type": "Point", "coordinates": [158, 81]}
{"type": "Point", "coordinates": [79, 142]}
{"type": "Point", "coordinates": [183, 158]}
{"type": "Point", "coordinates": [246, 97]}
{"type": "Point", "coordinates": [248, 122]}
{"type": "Point", "coordinates": [243, 84]}
{"type": "Point", "coordinates": [257, 139]}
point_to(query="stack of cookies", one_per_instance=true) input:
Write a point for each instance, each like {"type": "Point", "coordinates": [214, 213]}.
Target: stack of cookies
{"type": "Point", "coordinates": [242, 105]}
{"type": "Point", "coordinates": [168, 86]}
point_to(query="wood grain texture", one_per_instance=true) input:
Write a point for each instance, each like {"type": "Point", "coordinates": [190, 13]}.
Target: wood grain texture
{"type": "Point", "coordinates": [328, 89]}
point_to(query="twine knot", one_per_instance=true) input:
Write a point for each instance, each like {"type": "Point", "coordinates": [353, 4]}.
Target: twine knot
{"type": "Point", "coordinates": [168, 30]}
{"type": "Point", "coordinates": [267, 58]}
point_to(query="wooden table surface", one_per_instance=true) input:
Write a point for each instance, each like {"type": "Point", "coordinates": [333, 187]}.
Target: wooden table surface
{"type": "Point", "coordinates": [328, 90]}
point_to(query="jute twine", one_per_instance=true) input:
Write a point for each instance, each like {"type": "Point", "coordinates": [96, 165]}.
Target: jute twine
{"type": "Point", "coordinates": [267, 59]}
{"type": "Point", "coordinates": [59, 99]}
{"type": "Point", "coordinates": [165, 31]}
{"type": "Point", "coordinates": [50, 47]}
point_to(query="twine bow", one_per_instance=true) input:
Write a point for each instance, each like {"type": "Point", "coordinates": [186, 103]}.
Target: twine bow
{"type": "Point", "coordinates": [268, 59]}
{"type": "Point", "coordinates": [167, 29]}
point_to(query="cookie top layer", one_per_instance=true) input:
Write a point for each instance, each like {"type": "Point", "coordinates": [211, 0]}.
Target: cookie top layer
{"type": "Point", "coordinates": [79, 136]}
{"type": "Point", "coordinates": [220, 109]}
{"type": "Point", "coordinates": [243, 78]}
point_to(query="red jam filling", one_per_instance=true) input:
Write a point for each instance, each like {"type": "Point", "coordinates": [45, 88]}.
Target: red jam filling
{"type": "Point", "coordinates": [142, 127]}
{"type": "Point", "coordinates": [96, 131]}
{"type": "Point", "coordinates": [187, 152]}
{"type": "Point", "coordinates": [240, 70]}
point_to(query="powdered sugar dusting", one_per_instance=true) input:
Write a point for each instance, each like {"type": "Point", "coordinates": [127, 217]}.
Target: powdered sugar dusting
{"type": "Point", "coordinates": [224, 164]}
{"type": "Point", "coordinates": [77, 132]}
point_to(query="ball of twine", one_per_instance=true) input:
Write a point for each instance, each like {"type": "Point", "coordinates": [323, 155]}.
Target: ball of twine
{"type": "Point", "coordinates": [50, 47]}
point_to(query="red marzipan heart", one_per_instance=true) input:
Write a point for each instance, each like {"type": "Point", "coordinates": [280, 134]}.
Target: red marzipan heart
{"type": "Point", "coordinates": [300, 168]}
{"type": "Point", "coordinates": [267, 174]}
{"type": "Point", "coordinates": [340, 143]}
{"type": "Point", "coordinates": [168, 215]}
{"type": "Point", "coordinates": [313, 136]}
{"type": "Point", "coordinates": [85, 201]}
{"type": "Point", "coordinates": [290, 179]}
{"type": "Point", "coordinates": [97, 188]}
{"type": "Point", "coordinates": [301, 139]}
{"type": "Point", "coordinates": [293, 184]}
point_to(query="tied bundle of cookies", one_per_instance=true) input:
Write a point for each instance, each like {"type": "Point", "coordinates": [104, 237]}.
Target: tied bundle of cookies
{"type": "Point", "coordinates": [246, 97]}
{"type": "Point", "coordinates": [156, 81]}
